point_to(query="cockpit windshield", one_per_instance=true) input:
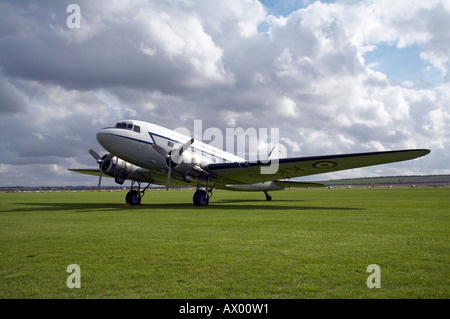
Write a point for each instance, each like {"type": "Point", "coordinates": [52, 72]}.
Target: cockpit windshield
{"type": "Point", "coordinates": [128, 126]}
{"type": "Point", "coordinates": [121, 125]}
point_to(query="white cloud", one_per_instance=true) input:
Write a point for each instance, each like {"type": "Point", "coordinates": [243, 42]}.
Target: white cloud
{"type": "Point", "coordinates": [292, 145]}
{"type": "Point", "coordinates": [148, 50]}
{"type": "Point", "coordinates": [183, 36]}
{"type": "Point", "coordinates": [287, 108]}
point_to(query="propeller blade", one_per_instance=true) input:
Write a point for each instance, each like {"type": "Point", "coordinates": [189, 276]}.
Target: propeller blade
{"type": "Point", "coordinates": [95, 155]}
{"type": "Point", "coordinates": [99, 161]}
{"type": "Point", "coordinates": [169, 175]}
{"type": "Point", "coordinates": [100, 180]}
{"type": "Point", "coordinates": [161, 151]}
{"type": "Point", "coordinates": [185, 146]}
{"type": "Point", "coordinates": [168, 157]}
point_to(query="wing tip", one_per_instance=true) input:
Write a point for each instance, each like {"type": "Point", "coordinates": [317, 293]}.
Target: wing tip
{"type": "Point", "coordinates": [422, 152]}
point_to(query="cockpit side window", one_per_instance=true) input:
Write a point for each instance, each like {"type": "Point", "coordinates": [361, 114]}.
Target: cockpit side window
{"type": "Point", "coordinates": [137, 129]}
{"type": "Point", "coordinates": [129, 126]}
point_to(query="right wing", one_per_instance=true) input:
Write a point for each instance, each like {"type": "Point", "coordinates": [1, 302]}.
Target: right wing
{"type": "Point", "coordinates": [285, 168]}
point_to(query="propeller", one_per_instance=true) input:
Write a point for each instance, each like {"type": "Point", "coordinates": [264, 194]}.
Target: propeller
{"type": "Point", "coordinates": [100, 161]}
{"type": "Point", "coordinates": [169, 157]}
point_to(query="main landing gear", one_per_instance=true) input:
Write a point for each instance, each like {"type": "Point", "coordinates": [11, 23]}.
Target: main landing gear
{"type": "Point", "coordinates": [201, 198]}
{"type": "Point", "coordinates": [135, 194]}
{"type": "Point", "coordinates": [203, 192]}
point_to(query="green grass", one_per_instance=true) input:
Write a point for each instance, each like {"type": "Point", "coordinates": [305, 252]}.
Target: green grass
{"type": "Point", "coordinates": [313, 243]}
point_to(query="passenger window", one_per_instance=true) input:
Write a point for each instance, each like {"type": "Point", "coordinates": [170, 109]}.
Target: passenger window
{"type": "Point", "coordinates": [137, 129]}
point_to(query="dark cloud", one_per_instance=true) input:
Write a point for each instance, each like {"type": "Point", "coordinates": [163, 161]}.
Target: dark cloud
{"type": "Point", "coordinates": [11, 99]}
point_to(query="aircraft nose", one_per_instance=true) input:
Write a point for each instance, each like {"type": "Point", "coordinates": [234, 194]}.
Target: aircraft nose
{"type": "Point", "coordinates": [109, 138]}
{"type": "Point", "coordinates": [100, 137]}
{"type": "Point", "coordinates": [103, 138]}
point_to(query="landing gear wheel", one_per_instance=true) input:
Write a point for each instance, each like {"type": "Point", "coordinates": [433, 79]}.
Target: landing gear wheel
{"type": "Point", "coordinates": [268, 197]}
{"type": "Point", "coordinates": [133, 197]}
{"type": "Point", "coordinates": [201, 198]}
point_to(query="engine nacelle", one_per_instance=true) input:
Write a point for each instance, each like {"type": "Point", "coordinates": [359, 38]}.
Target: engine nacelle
{"type": "Point", "coordinates": [116, 167]}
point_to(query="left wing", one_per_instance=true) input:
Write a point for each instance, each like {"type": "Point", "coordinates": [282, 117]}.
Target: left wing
{"type": "Point", "coordinates": [87, 171]}
{"type": "Point", "coordinates": [279, 169]}
{"type": "Point", "coordinates": [142, 174]}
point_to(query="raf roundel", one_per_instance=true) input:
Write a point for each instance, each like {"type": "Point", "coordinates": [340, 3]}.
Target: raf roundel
{"type": "Point", "coordinates": [324, 164]}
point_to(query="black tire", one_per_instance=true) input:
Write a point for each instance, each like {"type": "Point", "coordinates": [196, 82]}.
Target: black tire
{"type": "Point", "coordinates": [201, 198]}
{"type": "Point", "coordinates": [133, 197]}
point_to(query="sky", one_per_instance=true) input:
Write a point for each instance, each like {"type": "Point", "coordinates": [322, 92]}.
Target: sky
{"type": "Point", "coordinates": [333, 76]}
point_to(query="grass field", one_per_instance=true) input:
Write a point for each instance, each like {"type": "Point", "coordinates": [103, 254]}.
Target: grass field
{"type": "Point", "coordinates": [313, 243]}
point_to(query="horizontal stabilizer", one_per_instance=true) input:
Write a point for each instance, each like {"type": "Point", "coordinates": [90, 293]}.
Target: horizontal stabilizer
{"type": "Point", "coordinates": [297, 184]}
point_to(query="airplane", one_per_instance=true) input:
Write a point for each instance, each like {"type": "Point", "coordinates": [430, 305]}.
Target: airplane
{"type": "Point", "coordinates": [149, 153]}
